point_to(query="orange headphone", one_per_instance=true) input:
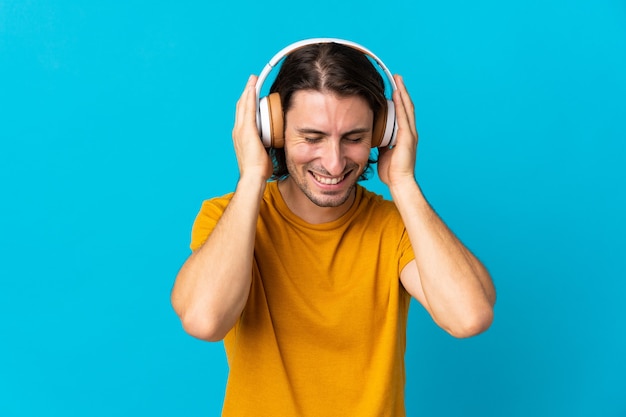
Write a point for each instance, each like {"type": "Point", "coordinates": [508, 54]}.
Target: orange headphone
{"type": "Point", "coordinates": [269, 116]}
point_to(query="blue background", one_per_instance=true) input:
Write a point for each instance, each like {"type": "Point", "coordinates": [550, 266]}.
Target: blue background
{"type": "Point", "coordinates": [115, 123]}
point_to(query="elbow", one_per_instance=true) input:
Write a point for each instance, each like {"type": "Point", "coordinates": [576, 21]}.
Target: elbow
{"type": "Point", "coordinates": [200, 324]}
{"type": "Point", "coordinates": [473, 324]}
{"type": "Point", "coordinates": [203, 327]}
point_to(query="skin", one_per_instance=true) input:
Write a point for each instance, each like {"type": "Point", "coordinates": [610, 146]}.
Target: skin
{"type": "Point", "coordinates": [327, 144]}
{"type": "Point", "coordinates": [445, 277]}
{"type": "Point", "coordinates": [327, 147]}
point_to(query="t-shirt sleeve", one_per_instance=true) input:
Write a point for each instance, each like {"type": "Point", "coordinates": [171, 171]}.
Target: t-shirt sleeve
{"type": "Point", "coordinates": [395, 231]}
{"type": "Point", "coordinates": [405, 250]}
{"type": "Point", "coordinates": [207, 219]}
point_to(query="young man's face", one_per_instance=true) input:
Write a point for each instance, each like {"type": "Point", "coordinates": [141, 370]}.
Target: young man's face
{"type": "Point", "coordinates": [327, 146]}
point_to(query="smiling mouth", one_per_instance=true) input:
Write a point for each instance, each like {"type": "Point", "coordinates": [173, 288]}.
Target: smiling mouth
{"type": "Point", "coordinates": [328, 180]}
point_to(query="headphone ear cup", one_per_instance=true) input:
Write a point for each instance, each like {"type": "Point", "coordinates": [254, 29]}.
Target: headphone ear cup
{"type": "Point", "coordinates": [271, 124]}
{"type": "Point", "coordinates": [391, 126]}
{"type": "Point", "coordinates": [379, 127]}
{"type": "Point", "coordinates": [384, 133]}
{"type": "Point", "coordinates": [263, 123]}
{"type": "Point", "coordinates": [275, 108]}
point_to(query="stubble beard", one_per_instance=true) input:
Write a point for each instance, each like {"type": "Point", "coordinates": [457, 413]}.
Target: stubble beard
{"type": "Point", "coordinates": [325, 199]}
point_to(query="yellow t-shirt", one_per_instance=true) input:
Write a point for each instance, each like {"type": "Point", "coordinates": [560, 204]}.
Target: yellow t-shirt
{"type": "Point", "coordinates": [323, 332]}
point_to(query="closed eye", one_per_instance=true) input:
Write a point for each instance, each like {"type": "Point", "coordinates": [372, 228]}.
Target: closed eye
{"type": "Point", "coordinates": [355, 139]}
{"type": "Point", "coordinates": [312, 140]}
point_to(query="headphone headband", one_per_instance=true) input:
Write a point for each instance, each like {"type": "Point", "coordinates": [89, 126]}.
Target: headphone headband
{"type": "Point", "coordinates": [269, 116]}
{"type": "Point", "coordinates": [300, 44]}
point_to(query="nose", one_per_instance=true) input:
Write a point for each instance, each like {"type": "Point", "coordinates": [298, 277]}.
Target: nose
{"type": "Point", "coordinates": [333, 159]}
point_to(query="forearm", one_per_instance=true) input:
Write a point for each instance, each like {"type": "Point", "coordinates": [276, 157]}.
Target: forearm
{"type": "Point", "coordinates": [212, 286]}
{"type": "Point", "coordinates": [457, 288]}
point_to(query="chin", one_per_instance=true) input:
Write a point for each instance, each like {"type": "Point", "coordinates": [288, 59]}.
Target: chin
{"type": "Point", "coordinates": [331, 199]}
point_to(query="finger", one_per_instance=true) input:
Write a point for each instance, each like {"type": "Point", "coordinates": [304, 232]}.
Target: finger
{"type": "Point", "coordinates": [407, 109]}
{"type": "Point", "coordinates": [251, 103]}
{"type": "Point", "coordinates": [406, 97]}
{"type": "Point", "coordinates": [401, 110]}
{"type": "Point", "coordinates": [246, 103]}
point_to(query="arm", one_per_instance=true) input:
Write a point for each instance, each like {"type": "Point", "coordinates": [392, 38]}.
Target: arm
{"type": "Point", "coordinates": [212, 287]}
{"type": "Point", "coordinates": [450, 282]}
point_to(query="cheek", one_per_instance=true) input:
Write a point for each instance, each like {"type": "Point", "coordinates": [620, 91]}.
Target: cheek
{"type": "Point", "coordinates": [361, 155]}
{"type": "Point", "coordinates": [298, 155]}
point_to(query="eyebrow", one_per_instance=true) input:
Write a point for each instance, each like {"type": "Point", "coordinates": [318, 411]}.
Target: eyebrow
{"type": "Point", "coordinates": [311, 131]}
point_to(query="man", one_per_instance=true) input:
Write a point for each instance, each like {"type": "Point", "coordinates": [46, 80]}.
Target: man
{"type": "Point", "coordinates": [308, 278]}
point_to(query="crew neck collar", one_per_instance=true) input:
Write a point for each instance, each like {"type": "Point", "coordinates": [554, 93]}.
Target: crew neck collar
{"type": "Point", "coordinates": [284, 210]}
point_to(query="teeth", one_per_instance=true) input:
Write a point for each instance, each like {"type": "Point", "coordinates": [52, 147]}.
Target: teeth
{"type": "Point", "coordinates": [329, 181]}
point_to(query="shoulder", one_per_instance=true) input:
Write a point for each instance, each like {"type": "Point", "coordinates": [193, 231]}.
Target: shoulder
{"type": "Point", "coordinates": [376, 203]}
{"type": "Point", "coordinates": [210, 212]}
{"type": "Point", "coordinates": [376, 212]}
{"type": "Point", "coordinates": [215, 205]}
